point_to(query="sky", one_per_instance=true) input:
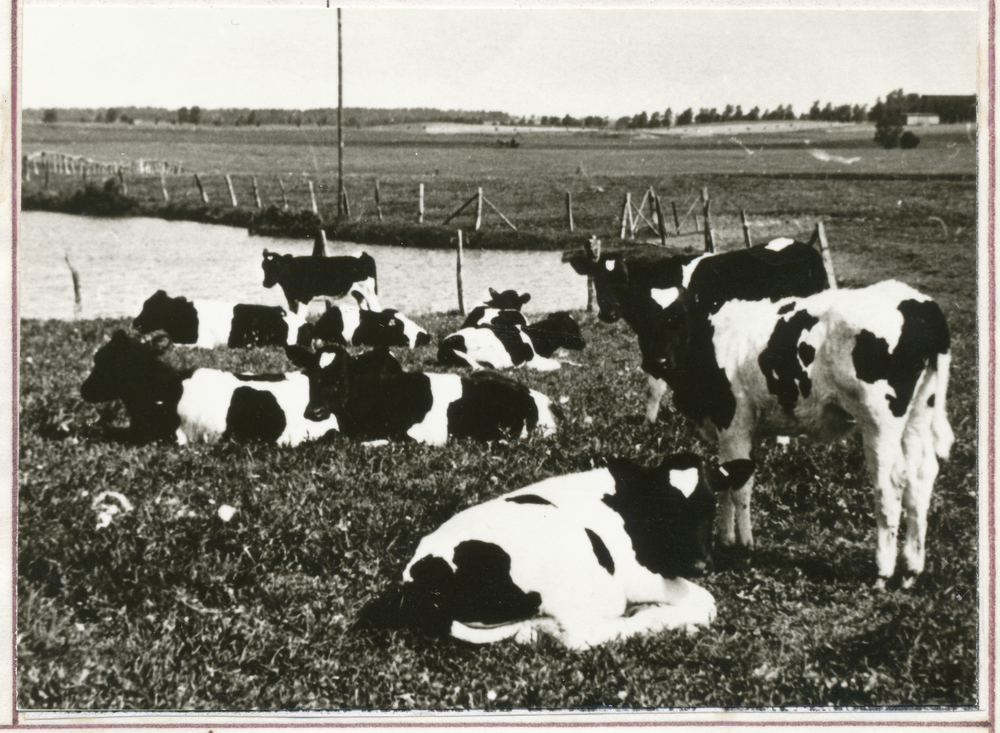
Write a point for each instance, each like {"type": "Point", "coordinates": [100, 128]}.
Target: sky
{"type": "Point", "coordinates": [541, 61]}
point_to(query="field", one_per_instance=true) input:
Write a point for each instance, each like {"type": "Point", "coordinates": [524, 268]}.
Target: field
{"type": "Point", "coordinates": [170, 607]}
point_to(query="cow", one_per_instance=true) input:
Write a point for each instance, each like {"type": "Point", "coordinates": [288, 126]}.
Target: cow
{"type": "Point", "coordinates": [500, 345]}
{"type": "Point", "coordinates": [199, 405]}
{"type": "Point", "coordinates": [372, 398]}
{"type": "Point", "coordinates": [304, 278]}
{"type": "Point", "coordinates": [873, 360]}
{"type": "Point", "coordinates": [637, 285]}
{"type": "Point", "coordinates": [207, 324]}
{"type": "Point", "coordinates": [569, 555]}
{"type": "Point", "coordinates": [360, 327]}
{"type": "Point", "coordinates": [501, 309]}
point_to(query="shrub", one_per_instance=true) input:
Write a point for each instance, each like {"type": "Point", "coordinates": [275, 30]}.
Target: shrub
{"type": "Point", "coordinates": [908, 140]}
{"type": "Point", "coordinates": [887, 134]}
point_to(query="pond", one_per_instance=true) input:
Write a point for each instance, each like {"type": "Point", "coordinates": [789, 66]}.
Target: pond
{"type": "Point", "coordinates": [121, 262]}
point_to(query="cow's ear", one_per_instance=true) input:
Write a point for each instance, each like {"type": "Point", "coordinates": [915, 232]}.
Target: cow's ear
{"type": "Point", "coordinates": [119, 336]}
{"type": "Point", "coordinates": [731, 475]}
{"type": "Point", "coordinates": [582, 265]}
{"type": "Point", "coordinates": [265, 253]}
{"type": "Point", "coordinates": [494, 293]}
{"type": "Point", "coordinates": [302, 357]}
{"type": "Point", "coordinates": [525, 298]}
{"type": "Point", "coordinates": [160, 342]}
{"type": "Point", "coordinates": [160, 294]}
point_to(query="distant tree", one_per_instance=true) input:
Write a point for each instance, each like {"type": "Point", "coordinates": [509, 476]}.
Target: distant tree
{"type": "Point", "coordinates": [859, 113]}
{"type": "Point", "coordinates": [727, 113]}
{"type": "Point", "coordinates": [654, 119]}
{"type": "Point", "coordinates": [594, 121]}
{"type": "Point", "coordinates": [668, 118]}
{"type": "Point", "coordinates": [738, 114]}
{"type": "Point", "coordinates": [569, 121]}
{"type": "Point", "coordinates": [685, 117]}
{"type": "Point", "coordinates": [50, 115]}
{"type": "Point", "coordinates": [111, 115]}
{"type": "Point", "coordinates": [789, 113]}
{"type": "Point", "coordinates": [640, 121]}
{"type": "Point", "coordinates": [814, 111]}
{"type": "Point", "coordinates": [182, 116]}
{"type": "Point", "coordinates": [754, 114]}
{"type": "Point", "coordinates": [194, 115]}
{"type": "Point", "coordinates": [707, 115]}
{"type": "Point", "coordinates": [623, 123]}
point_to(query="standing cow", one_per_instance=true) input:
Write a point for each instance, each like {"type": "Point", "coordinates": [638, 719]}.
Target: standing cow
{"type": "Point", "coordinates": [569, 555]}
{"type": "Point", "coordinates": [304, 278]}
{"type": "Point", "coordinates": [874, 360]}
{"type": "Point", "coordinates": [637, 285]}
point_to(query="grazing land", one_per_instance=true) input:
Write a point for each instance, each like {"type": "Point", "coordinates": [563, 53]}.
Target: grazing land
{"type": "Point", "coordinates": [170, 607]}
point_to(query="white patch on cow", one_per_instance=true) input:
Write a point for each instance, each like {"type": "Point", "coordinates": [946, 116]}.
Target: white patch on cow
{"type": "Point", "coordinates": [609, 265]}
{"type": "Point", "coordinates": [688, 270]}
{"type": "Point", "coordinates": [686, 481]}
{"type": "Point", "coordinates": [351, 316]}
{"type": "Point", "coordinates": [326, 359]}
{"type": "Point", "coordinates": [776, 245]}
{"type": "Point", "coordinates": [433, 429]}
{"type": "Point", "coordinates": [294, 321]}
{"type": "Point", "coordinates": [665, 296]}
{"type": "Point", "coordinates": [410, 329]}
{"type": "Point", "coordinates": [215, 321]}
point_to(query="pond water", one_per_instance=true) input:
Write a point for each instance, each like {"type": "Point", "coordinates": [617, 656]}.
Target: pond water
{"type": "Point", "coordinates": [122, 262]}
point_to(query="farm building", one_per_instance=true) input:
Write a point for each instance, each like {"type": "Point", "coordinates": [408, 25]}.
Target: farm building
{"type": "Point", "coordinates": [914, 119]}
{"type": "Point", "coordinates": [948, 107]}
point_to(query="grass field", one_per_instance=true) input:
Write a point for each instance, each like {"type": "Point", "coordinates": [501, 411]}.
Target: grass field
{"type": "Point", "coordinates": [169, 607]}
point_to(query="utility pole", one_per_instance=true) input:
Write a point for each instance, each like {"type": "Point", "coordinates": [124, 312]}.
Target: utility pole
{"type": "Point", "coordinates": [340, 114]}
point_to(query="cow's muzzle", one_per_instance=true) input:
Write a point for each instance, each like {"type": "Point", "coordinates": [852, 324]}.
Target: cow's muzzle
{"type": "Point", "coordinates": [316, 413]}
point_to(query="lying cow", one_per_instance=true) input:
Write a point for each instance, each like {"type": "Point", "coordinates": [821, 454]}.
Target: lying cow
{"type": "Point", "coordinates": [502, 346]}
{"type": "Point", "coordinates": [372, 398]}
{"type": "Point", "coordinates": [207, 323]}
{"type": "Point", "coordinates": [304, 278]}
{"type": "Point", "coordinates": [637, 285]}
{"type": "Point", "coordinates": [360, 327]}
{"type": "Point", "coordinates": [501, 309]}
{"type": "Point", "coordinates": [201, 405]}
{"type": "Point", "coordinates": [568, 556]}
{"type": "Point", "coordinates": [874, 360]}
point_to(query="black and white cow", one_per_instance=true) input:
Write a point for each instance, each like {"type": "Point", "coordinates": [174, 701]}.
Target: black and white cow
{"type": "Point", "coordinates": [360, 327]}
{"type": "Point", "coordinates": [501, 309]}
{"type": "Point", "coordinates": [208, 323]}
{"type": "Point", "coordinates": [500, 345]}
{"type": "Point", "coordinates": [199, 405]}
{"type": "Point", "coordinates": [569, 555]}
{"type": "Point", "coordinates": [637, 285]}
{"type": "Point", "coordinates": [372, 398]}
{"type": "Point", "coordinates": [304, 278]}
{"type": "Point", "coordinates": [874, 360]}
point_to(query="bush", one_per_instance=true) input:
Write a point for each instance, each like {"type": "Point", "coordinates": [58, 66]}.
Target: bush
{"type": "Point", "coordinates": [908, 141]}
{"type": "Point", "coordinates": [887, 134]}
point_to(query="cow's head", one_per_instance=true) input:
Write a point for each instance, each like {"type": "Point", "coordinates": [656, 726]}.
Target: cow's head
{"type": "Point", "coordinates": [177, 316]}
{"type": "Point", "coordinates": [333, 374]}
{"type": "Point", "coordinates": [507, 300]}
{"type": "Point", "coordinates": [389, 328]}
{"type": "Point", "coordinates": [611, 279]}
{"type": "Point", "coordinates": [558, 330]}
{"type": "Point", "coordinates": [123, 365]}
{"type": "Point", "coordinates": [273, 264]}
{"type": "Point", "coordinates": [669, 511]}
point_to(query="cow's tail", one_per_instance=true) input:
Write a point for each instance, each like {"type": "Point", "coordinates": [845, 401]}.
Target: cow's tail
{"type": "Point", "coordinates": [941, 429]}
{"type": "Point", "coordinates": [369, 268]}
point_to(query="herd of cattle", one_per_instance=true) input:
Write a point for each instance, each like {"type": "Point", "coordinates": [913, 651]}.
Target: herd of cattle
{"type": "Point", "coordinates": [749, 343]}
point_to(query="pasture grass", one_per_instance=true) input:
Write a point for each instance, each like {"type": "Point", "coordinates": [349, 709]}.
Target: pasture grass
{"type": "Point", "coordinates": [170, 607]}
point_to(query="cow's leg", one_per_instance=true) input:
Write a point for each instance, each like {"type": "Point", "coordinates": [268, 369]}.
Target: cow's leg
{"type": "Point", "coordinates": [734, 523]}
{"type": "Point", "coordinates": [919, 453]}
{"type": "Point", "coordinates": [887, 467]}
{"type": "Point", "coordinates": [655, 389]}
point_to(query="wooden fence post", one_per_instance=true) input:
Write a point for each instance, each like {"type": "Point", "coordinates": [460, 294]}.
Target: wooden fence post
{"type": "Point", "coordinates": [593, 249]}
{"type": "Point", "coordinates": [709, 238]}
{"type": "Point", "coordinates": [746, 228]}
{"type": "Point", "coordinates": [25, 171]}
{"type": "Point", "coordinates": [201, 188]}
{"type": "Point", "coordinates": [256, 191]}
{"type": "Point", "coordinates": [659, 220]}
{"type": "Point", "coordinates": [479, 208]}
{"type": "Point", "coordinates": [284, 198]}
{"type": "Point", "coordinates": [626, 210]}
{"type": "Point", "coordinates": [677, 222]}
{"type": "Point", "coordinates": [569, 210]}
{"type": "Point", "coordinates": [121, 177]}
{"type": "Point", "coordinates": [458, 275]}
{"type": "Point", "coordinates": [77, 305]}
{"type": "Point", "coordinates": [378, 200]}
{"type": "Point", "coordinates": [345, 205]}
{"type": "Point", "coordinates": [319, 243]}
{"type": "Point", "coordinates": [824, 249]}
{"type": "Point", "coordinates": [163, 186]}
{"type": "Point", "coordinates": [420, 205]}
{"type": "Point", "coordinates": [232, 192]}
{"type": "Point", "coordinates": [312, 197]}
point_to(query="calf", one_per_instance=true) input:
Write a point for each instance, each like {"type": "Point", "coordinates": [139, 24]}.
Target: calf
{"type": "Point", "coordinates": [359, 327]}
{"type": "Point", "coordinates": [637, 285]}
{"type": "Point", "coordinates": [502, 346]}
{"type": "Point", "coordinates": [202, 405]}
{"type": "Point", "coordinates": [568, 556]}
{"type": "Point", "coordinates": [207, 324]}
{"type": "Point", "coordinates": [373, 398]}
{"type": "Point", "coordinates": [304, 278]}
{"type": "Point", "coordinates": [874, 360]}
{"type": "Point", "coordinates": [501, 309]}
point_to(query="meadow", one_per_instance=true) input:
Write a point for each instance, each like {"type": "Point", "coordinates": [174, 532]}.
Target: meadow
{"type": "Point", "coordinates": [170, 607]}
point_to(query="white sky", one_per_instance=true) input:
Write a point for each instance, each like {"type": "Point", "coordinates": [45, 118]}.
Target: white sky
{"type": "Point", "coordinates": [539, 61]}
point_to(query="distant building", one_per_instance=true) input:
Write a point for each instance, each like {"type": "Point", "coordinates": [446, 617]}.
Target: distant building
{"type": "Point", "coordinates": [914, 119]}
{"type": "Point", "coordinates": [949, 108]}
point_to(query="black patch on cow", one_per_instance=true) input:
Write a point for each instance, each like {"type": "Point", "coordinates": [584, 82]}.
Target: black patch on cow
{"type": "Point", "coordinates": [528, 499]}
{"type": "Point", "coordinates": [558, 330]}
{"type": "Point", "coordinates": [491, 404]}
{"type": "Point", "coordinates": [930, 401]}
{"type": "Point", "coordinates": [513, 342]}
{"type": "Point", "coordinates": [261, 377]}
{"type": "Point", "coordinates": [258, 325]}
{"type": "Point", "coordinates": [254, 415]}
{"type": "Point", "coordinates": [384, 406]}
{"type": "Point", "coordinates": [177, 316]}
{"type": "Point", "coordinates": [478, 590]}
{"type": "Point", "coordinates": [330, 327]}
{"type": "Point", "coordinates": [379, 329]}
{"type": "Point", "coordinates": [786, 308]}
{"type": "Point", "coordinates": [448, 348]}
{"type": "Point", "coordinates": [806, 353]}
{"type": "Point", "coordinates": [924, 335]}
{"type": "Point", "coordinates": [780, 364]}
{"type": "Point", "coordinates": [601, 551]}
{"type": "Point", "coordinates": [500, 317]}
